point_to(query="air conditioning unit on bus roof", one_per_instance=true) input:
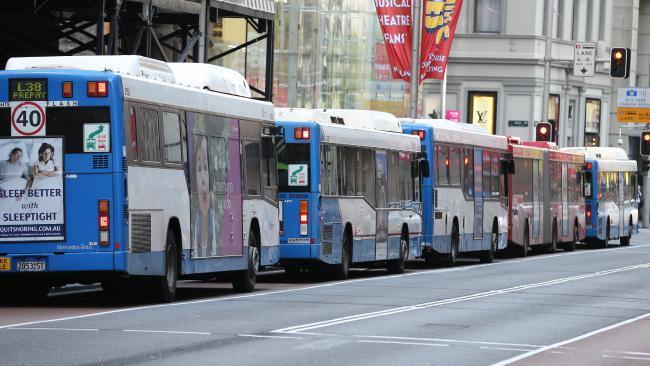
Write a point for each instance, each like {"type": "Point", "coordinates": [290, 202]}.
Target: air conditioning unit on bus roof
{"type": "Point", "coordinates": [132, 65]}
{"type": "Point", "coordinates": [211, 77]}
{"type": "Point", "coordinates": [357, 118]}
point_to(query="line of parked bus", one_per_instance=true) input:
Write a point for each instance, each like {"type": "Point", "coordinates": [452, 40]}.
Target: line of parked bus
{"type": "Point", "coordinates": [122, 169]}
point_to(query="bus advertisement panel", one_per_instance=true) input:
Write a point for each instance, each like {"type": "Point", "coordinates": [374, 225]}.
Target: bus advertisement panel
{"type": "Point", "coordinates": [31, 190]}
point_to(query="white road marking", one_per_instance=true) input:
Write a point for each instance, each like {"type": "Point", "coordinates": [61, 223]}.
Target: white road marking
{"type": "Point", "coordinates": [448, 341]}
{"type": "Point", "coordinates": [628, 358]}
{"type": "Point", "coordinates": [407, 343]}
{"type": "Point", "coordinates": [329, 284]}
{"type": "Point", "coordinates": [61, 329]}
{"type": "Point", "coordinates": [575, 339]}
{"type": "Point", "coordinates": [506, 349]}
{"type": "Point", "coordinates": [628, 353]}
{"type": "Point", "coordinates": [268, 336]}
{"type": "Point", "coordinates": [297, 329]}
{"type": "Point", "coordinates": [163, 331]}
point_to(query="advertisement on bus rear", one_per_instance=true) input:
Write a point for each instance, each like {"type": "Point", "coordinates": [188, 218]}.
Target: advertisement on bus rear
{"type": "Point", "coordinates": [31, 189]}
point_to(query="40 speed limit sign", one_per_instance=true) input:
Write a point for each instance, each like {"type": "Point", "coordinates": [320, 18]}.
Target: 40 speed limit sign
{"type": "Point", "coordinates": [28, 119]}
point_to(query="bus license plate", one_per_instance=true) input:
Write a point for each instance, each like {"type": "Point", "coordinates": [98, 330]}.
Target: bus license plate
{"type": "Point", "coordinates": [5, 264]}
{"type": "Point", "coordinates": [30, 266]}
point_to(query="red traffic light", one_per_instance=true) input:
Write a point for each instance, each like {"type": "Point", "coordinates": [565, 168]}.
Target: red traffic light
{"type": "Point", "coordinates": [645, 143]}
{"type": "Point", "coordinates": [619, 62]}
{"type": "Point", "coordinates": [618, 55]}
{"type": "Point", "coordinates": [543, 131]}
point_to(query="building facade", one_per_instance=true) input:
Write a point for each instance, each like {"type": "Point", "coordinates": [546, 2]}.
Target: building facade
{"type": "Point", "coordinates": [495, 76]}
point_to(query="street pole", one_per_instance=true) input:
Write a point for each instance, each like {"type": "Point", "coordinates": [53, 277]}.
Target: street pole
{"type": "Point", "coordinates": [547, 59]}
{"type": "Point", "coordinates": [416, 16]}
{"type": "Point", "coordinates": [646, 190]}
{"type": "Point", "coordinates": [443, 95]}
{"type": "Point", "coordinates": [203, 26]}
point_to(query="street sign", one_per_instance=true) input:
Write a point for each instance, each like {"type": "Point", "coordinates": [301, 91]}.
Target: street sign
{"type": "Point", "coordinates": [633, 105]}
{"type": "Point", "coordinates": [584, 59]}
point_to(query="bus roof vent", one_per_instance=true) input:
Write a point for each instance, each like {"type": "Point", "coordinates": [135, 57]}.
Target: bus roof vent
{"type": "Point", "coordinates": [137, 66]}
{"type": "Point", "coordinates": [211, 77]}
{"type": "Point", "coordinates": [606, 153]}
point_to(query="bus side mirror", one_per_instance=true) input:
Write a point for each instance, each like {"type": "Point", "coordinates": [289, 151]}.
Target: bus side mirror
{"type": "Point", "coordinates": [424, 168]}
{"type": "Point", "coordinates": [507, 166]}
{"type": "Point", "coordinates": [415, 169]}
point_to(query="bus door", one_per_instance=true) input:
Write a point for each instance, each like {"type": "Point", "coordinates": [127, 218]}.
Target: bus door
{"type": "Point", "coordinates": [381, 237]}
{"type": "Point", "coordinates": [565, 201]}
{"type": "Point", "coordinates": [537, 197]}
{"type": "Point", "coordinates": [621, 202]}
{"type": "Point", "coordinates": [478, 194]}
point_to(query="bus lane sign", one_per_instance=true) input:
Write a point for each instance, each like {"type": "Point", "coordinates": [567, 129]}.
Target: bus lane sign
{"type": "Point", "coordinates": [28, 118]}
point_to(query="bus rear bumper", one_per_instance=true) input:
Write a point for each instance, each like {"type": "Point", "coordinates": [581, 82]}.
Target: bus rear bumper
{"type": "Point", "coordinates": [64, 262]}
{"type": "Point", "coordinates": [299, 251]}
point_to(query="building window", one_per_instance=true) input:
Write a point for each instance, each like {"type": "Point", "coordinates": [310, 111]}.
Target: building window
{"type": "Point", "coordinates": [554, 114]}
{"type": "Point", "coordinates": [488, 16]}
{"type": "Point", "coordinates": [482, 110]}
{"type": "Point", "coordinates": [592, 122]}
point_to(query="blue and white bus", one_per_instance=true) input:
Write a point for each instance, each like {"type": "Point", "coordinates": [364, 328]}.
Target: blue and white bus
{"type": "Point", "coordinates": [610, 190]}
{"type": "Point", "coordinates": [347, 192]}
{"type": "Point", "coordinates": [122, 168]}
{"type": "Point", "coordinates": [464, 200]}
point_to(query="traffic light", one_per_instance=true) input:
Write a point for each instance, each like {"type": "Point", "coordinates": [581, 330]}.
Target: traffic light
{"type": "Point", "coordinates": [645, 143]}
{"type": "Point", "coordinates": [619, 63]}
{"type": "Point", "coordinates": [543, 131]}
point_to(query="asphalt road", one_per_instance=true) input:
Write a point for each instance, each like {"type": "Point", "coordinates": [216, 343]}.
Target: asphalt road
{"type": "Point", "coordinates": [585, 307]}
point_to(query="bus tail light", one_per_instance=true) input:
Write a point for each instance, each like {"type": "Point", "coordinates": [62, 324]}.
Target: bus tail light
{"type": "Point", "coordinates": [67, 89]}
{"type": "Point", "coordinates": [301, 133]}
{"type": "Point", "coordinates": [418, 133]}
{"type": "Point", "coordinates": [588, 213]}
{"type": "Point", "coordinates": [104, 223]}
{"type": "Point", "coordinates": [589, 166]}
{"type": "Point", "coordinates": [304, 217]}
{"type": "Point", "coordinates": [97, 88]}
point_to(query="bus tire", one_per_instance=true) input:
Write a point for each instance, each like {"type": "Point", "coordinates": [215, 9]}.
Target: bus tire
{"type": "Point", "coordinates": [600, 244]}
{"type": "Point", "coordinates": [24, 293]}
{"type": "Point", "coordinates": [552, 248]}
{"type": "Point", "coordinates": [625, 240]}
{"type": "Point", "coordinates": [341, 271]}
{"type": "Point", "coordinates": [164, 287]}
{"type": "Point", "coordinates": [524, 247]}
{"type": "Point", "coordinates": [488, 255]}
{"type": "Point", "coordinates": [452, 257]}
{"type": "Point", "coordinates": [397, 266]}
{"type": "Point", "coordinates": [245, 280]}
{"type": "Point", "coordinates": [571, 246]}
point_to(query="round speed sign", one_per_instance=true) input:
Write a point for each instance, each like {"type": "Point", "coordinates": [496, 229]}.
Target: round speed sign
{"type": "Point", "coordinates": [28, 119]}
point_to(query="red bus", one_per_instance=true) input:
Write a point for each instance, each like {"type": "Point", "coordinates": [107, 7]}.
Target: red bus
{"type": "Point", "coordinates": [546, 205]}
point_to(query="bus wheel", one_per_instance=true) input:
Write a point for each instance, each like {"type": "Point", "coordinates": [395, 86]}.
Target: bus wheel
{"type": "Point", "coordinates": [552, 248]}
{"type": "Point", "coordinates": [397, 265]}
{"type": "Point", "coordinates": [571, 246]}
{"type": "Point", "coordinates": [526, 243]}
{"type": "Point", "coordinates": [488, 255]}
{"type": "Point", "coordinates": [603, 243]}
{"type": "Point", "coordinates": [164, 287]}
{"type": "Point", "coordinates": [24, 293]}
{"type": "Point", "coordinates": [452, 257]}
{"type": "Point", "coordinates": [625, 240]}
{"type": "Point", "coordinates": [342, 270]}
{"type": "Point", "coordinates": [245, 280]}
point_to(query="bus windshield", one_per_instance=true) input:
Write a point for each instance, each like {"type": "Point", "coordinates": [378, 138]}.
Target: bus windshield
{"type": "Point", "coordinates": [293, 166]}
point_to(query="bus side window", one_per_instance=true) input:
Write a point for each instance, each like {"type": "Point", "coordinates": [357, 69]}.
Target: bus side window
{"type": "Point", "coordinates": [367, 178]}
{"type": "Point", "coordinates": [442, 157]}
{"type": "Point", "coordinates": [393, 174]}
{"type": "Point", "coordinates": [496, 181]}
{"type": "Point", "coordinates": [133, 135]}
{"type": "Point", "coordinates": [252, 158]}
{"type": "Point", "coordinates": [148, 129]}
{"type": "Point", "coordinates": [172, 138]}
{"type": "Point", "coordinates": [468, 172]}
{"type": "Point", "coordinates": [269, 171]}
{"type": "Point", "coordinates": [349, 169]}
{"type": "Point", "coordinates": [487, 171]}
{"type": "Point", "coordinates": [405, 179]}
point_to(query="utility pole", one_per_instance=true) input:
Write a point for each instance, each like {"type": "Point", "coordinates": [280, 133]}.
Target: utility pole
{"type": "Point", "coordinates": [416, 17]}
{"type": "Point", "coordinates": [547, 58]}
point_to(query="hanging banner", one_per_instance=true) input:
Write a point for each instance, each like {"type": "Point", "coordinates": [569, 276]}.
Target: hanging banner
{"type": "Point", "coordinates": [395, 21]}
{"type": "Point", "coordinates": [439, 21]}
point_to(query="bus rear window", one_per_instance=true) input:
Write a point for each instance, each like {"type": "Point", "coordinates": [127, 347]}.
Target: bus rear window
{"type": "Point", "coordinates": [67, 122]}
{"type": "Point", "coordinates": [293, 167]}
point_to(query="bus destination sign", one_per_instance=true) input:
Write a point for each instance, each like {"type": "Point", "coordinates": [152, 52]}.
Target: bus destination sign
{"type": "Point", "coordinates": [27, 89]}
